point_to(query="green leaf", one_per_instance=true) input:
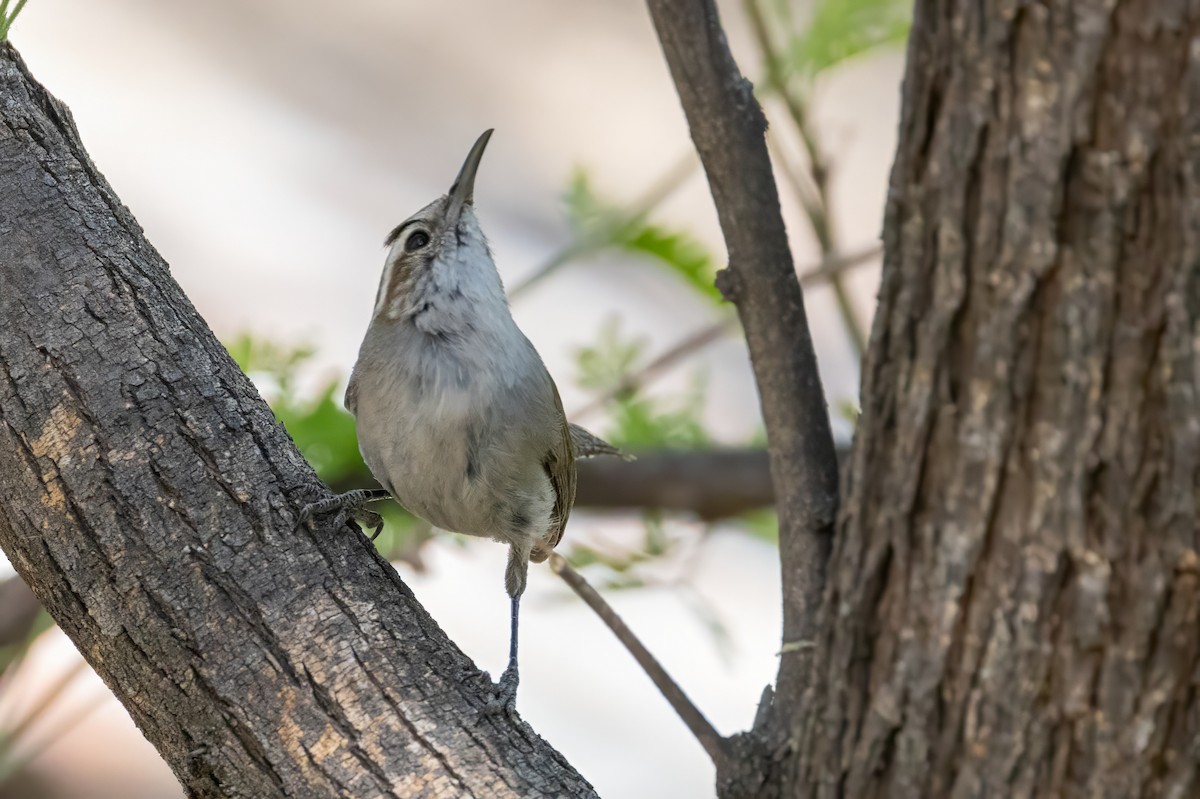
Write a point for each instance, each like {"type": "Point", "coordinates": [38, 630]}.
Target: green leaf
{"type": "Point", "coordinates": [842, 29]}
{"type": "Point", "coordinates": [324, 432]}
{"type": "Point", "coordinates": [678, 250]}
{"type": "Point", "coordinates": [604, 365]}
{"type": "Point", "coordinates": [643, 423]}
{"type": "Point", "coordinates": [7, 18]}
{"type": "Point", "coordinates": [655, 541]}
{"type": "Point", "coordinates": [848, 409]}
{"type": "Point", "coordinates": [592, 219]}
{"type": "Point", "coordinates": [763, 524]}
{"type": "Point", "coordinates": [758, 439]}
{"type": "Point", "coordinates": [261, 358]}
{"type": "Point", "coordinates": [582, 556]}
{"type": "Point", "coordinates": [321, 428]}
{"type": "Point", "coordinates": [639, 422]}
{"type": "Point", "coordinates": [601, 225]}
{"type": "Point", "coordinates": [620, 569]}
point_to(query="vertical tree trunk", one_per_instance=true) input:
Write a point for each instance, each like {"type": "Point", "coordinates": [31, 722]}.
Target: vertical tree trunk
{"type": "Point", "coordinates": [1012, 604]}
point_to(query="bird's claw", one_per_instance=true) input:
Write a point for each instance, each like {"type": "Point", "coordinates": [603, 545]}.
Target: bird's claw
{"type": "Point", "coordinates": [369, 519]}
{"type": "Point", "coordinates": [504, 700]}
{"type": "Point", "coordinates": [348, 506]}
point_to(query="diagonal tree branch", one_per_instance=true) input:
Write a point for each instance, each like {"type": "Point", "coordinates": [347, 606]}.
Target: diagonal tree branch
{"type": "Point", "coordinates": [696, 722]}
{"type": "Point", "coordinates": [728, 127]}
{"type": "Point", "coordinates": [149, 499]}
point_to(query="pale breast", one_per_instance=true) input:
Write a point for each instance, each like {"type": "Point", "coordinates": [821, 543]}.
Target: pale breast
{"type": "Point", "coordinates": [414, 445]}
{"type": "Point", "coordinates": [455, 445]}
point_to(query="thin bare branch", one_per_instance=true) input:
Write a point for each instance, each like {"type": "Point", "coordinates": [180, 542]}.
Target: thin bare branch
{"type": "Point", "coordinates": [45, 701]}
{"type": "Point", "coordinates": [835, 265]}
{"type": "Point", "coordinates": [728, 128]}
{"type": "Point", "coordinates": [689, 345]}
{"type": "Point", "coordinates": [705, 733]}
{"type": "Point", "coordinates": [817, 209]}
{"type": "Point", "coordinates": [709, 334]}
{"type": "Point", "coordinates": [712, 484]}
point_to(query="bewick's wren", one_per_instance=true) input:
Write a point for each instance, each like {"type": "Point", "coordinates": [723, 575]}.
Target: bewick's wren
{"type": "Point", "coordinates": [456, 414]}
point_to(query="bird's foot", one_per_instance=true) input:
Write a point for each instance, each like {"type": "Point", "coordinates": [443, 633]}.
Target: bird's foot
{"type": "Point", "coordinates": [350, 505]}
{"type": "Point", "coordinates": [504, 700]}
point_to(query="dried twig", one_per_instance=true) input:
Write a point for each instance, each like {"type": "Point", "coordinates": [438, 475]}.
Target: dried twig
{"type": "Point", "coordinates": [705, 733]}
{"type": "Point", "coordinates": [48, 698]}
{"type": "Point", "coordinates": [816, 208]}
{"type": "Point", "coordinates": [697, 341]}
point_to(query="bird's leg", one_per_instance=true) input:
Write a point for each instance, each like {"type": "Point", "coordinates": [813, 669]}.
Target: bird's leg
{"type": "Point", "coordinates": [350, 505]}
{"type": "Point", "coordinates": [506, 689]}
{"type": "Point", "coordinates": [505, 698]}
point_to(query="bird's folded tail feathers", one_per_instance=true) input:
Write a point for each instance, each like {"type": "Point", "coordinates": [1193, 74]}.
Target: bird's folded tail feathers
{"type": "Point", "coordinates": [587, 445]}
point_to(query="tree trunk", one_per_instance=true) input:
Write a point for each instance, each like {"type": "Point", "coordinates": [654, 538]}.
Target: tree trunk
{"type": "Point", "coordinates": [149, 498]}
{"type": "Point", "coordinates": [1013, 598]}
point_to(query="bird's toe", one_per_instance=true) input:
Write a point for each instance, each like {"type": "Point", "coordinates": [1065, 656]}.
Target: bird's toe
{"type": "Point", "coordinates": [369, 519]}
{"type": "Point", "coordinates": [503, 701]}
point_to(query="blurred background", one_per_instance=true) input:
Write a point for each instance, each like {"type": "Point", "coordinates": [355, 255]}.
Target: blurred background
{"type": "Point", "coordinates": [268, 146]}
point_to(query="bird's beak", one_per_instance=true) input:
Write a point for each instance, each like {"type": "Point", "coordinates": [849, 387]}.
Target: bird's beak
{"type": "Point", "coordinates": [462, 193]}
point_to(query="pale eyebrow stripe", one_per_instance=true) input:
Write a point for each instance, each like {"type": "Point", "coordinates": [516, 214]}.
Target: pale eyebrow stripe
{"type": "Point", "coordinates": [395, 234]}
{"type": "Point", "coordinates": [395, 274]}
{"type": "Point", "coordinates": [385, 282]}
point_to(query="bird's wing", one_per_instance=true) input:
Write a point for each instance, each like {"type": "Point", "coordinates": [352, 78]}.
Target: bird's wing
{"type": "Point", "coordinates": [560, 466]}
{"type": "Point", "coordinates": [351, 398]}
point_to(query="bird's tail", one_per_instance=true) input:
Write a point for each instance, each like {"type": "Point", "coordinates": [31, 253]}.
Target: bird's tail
{"type": "Point", "coordinates": [587, 445]}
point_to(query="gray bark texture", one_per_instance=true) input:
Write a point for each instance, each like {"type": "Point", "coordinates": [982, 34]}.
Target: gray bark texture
{"type": "Point", "coordinates": [1012, 606]}
{"type": "Point", "coordinates": [149, 499]}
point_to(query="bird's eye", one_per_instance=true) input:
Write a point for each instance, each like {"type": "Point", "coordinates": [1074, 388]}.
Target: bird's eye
{"type": "Point", "coordinates": [416, 241]}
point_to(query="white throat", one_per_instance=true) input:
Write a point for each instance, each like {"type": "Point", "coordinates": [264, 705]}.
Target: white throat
{"type": "Point", "coordinates": [458, 292]}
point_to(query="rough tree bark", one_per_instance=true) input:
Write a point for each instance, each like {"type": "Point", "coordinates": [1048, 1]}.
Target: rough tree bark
{"type": "Point", "coordinates": [150, 500]}
{"type": "Point", "coordinates": [1013, 598]}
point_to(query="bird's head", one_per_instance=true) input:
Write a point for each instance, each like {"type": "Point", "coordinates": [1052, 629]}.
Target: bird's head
{"type": "Point", "coordinates": [440, 246]}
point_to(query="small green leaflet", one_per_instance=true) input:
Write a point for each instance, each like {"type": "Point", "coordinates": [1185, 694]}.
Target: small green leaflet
{"type": "Point", "coordinates": [842, 29]}
{"type": "Point", "coordinates": [603, 225]}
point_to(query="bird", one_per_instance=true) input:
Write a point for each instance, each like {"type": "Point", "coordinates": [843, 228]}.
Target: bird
{"type": "Point", "coordinates": [456, 414]}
